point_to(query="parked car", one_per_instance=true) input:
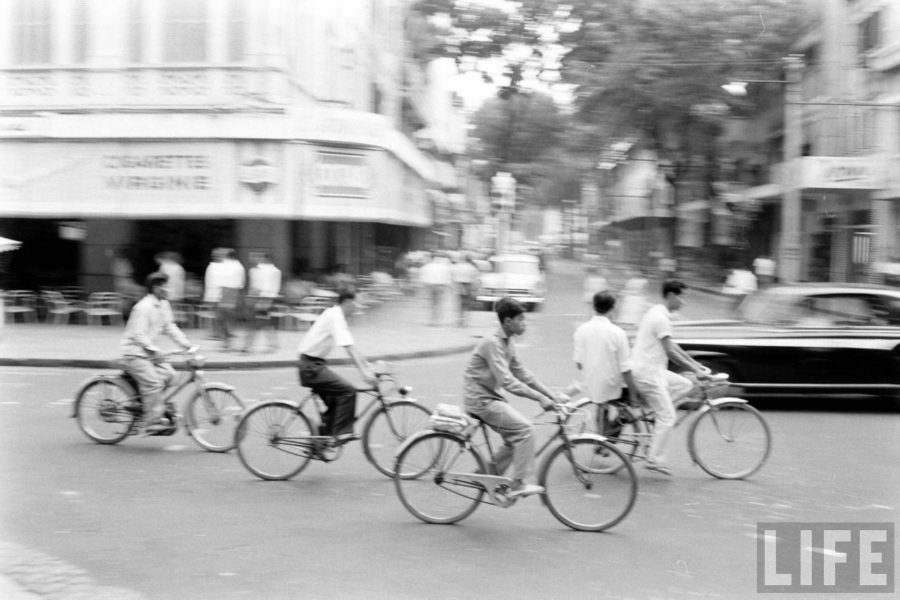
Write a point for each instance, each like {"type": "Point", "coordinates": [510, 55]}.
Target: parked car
{"type": "Point", "coordinates": [805, 339]}
{"type": "Point", "coordinates": [515, 275]}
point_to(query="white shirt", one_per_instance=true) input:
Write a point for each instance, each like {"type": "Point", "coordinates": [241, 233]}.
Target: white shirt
{"type": "Point", "coordinates": [764, 266]}
{"type": "Point", "coordinates": [233, 274]}
{"type": "Point", "coordinates": [265, 280]}
{"type": "Point", "coordinates": [649, 356]}
{"type": "Point", "coordinates": [436, 272]}
{"type": "Point", "coordinates": [601, 348]}
{"type": "Point", "coordinates": [175, 273]}
{"type": "Point", "coordinates": [150, 318]}
{"type": "Point", "coordinates": [212, 282]}
{"type": "Point", "coordinates": [329, 330]}
{"type": "Point", "coordinates": [464, 272]}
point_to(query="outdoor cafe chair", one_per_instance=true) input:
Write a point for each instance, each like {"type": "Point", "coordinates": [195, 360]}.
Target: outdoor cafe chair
{"type": "Point", "coordinates": [20, 302]}
{"type": "Point", "coordinates": [59, 309]}
{"type": "Point", "coordinates": [103, 306]}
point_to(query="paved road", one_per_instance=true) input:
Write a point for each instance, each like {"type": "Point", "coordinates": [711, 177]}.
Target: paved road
{"type": "Point", "coordinates": [159, 519]}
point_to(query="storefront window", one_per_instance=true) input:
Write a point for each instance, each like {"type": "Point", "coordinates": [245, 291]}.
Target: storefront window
{"type": "Point", "coordinates": [185, 30]}
{"type": "Point", "coordinates": [237, 19]}
{"type": "Point", "coordinates": [80, 32]}
{"type": "Point", "coordinates": [136, 31]}
{"type": "Point", "coordinates": [32, 26]}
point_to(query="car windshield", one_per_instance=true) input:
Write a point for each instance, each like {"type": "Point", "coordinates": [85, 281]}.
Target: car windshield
{"type": "Point", "coordinates": [515, 267]}
{"type": "Point", "coordinates": [826, 310]}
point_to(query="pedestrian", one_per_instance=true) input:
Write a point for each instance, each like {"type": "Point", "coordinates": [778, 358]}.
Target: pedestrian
{"type": "Point", "coordinates": [494, 365]}
{"type": "Point", "coordinates": [764, 267]}
{"type": "Point", "coordinates": [330, 329]}
{"type": "Point", "coordinates": [738, 285]}
{"type": "Point", "coordinates": [212, 290]}
{"type": "Point", "coordinates": [142, 358]}
{"type": "Point", "coordinates": [653, 350]}
{"type": "Point", "coordinates": [262, 289]}
{"type": "Point", "coordinates": [594, 282]}
{"type": "Point", "coordinates": [170, 264]}
{"type": "Point", "coordinates": [233, 281]}
{"type": "Point", "coordinates": [435, 275]}
{"type": "Point", "coordinates": [465, 280]}
{"type": "Point", "coordinates": [603, 357]}
{"type": "Point", "coordinates": [634, 301]}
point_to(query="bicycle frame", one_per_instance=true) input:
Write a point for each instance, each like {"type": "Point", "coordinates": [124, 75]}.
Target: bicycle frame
{"type": "Point", "coordinates": [492, 483]}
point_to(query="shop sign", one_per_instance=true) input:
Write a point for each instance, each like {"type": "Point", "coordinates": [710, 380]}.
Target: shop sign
{"type": "Point", "coordinates": [841, 172]}
{"type": "Point", "coordinates": [342, 174]}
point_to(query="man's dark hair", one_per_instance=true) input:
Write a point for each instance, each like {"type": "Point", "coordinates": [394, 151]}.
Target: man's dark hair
{"type": "Point", "coordinates": [156, 278]}
{"type": "Point", "coordinates": [508, 308]}
{"type": "Point", "coordinates": [347, 293]}
{"type": "Point", "coordinates": [673, 286]}
{"type": "Point", "coordinates": [604, 302]}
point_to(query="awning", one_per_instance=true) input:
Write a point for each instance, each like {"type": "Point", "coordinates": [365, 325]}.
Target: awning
{"type": "Point", "coordinates": [8, 244]}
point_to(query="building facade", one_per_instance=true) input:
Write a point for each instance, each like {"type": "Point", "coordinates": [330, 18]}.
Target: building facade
{"type": "Point", "coordinates": [182, 125]}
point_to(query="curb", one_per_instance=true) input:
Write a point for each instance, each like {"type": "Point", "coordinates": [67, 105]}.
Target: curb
{"type": "Point", "coordinates": [227, 365]}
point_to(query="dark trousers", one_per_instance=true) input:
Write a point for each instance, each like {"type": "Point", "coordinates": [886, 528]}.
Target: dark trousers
{"type": "Point", "coordinates": [338, 394]}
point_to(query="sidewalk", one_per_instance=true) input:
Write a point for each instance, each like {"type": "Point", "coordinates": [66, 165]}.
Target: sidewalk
{"type": "Point", "coordinates": [395, 330]}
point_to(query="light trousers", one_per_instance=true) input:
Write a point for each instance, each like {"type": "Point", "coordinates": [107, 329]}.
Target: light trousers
{"type": "Point", "coordinates": [658, 389]}
{"type": "Point", "coordinates": [517, 433]}
{"type": "Point", "coordinates": [152, 379]}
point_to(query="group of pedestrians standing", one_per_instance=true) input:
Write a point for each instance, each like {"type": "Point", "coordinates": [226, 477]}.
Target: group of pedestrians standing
{"type": "Point", "coordinates": [442, 279]}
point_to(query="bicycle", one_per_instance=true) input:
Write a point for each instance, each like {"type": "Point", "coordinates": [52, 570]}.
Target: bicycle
{"type": "Point", "coordinates": [110, 408]}
{"type": "Point", "coordinates": [276, 440]}
{"type": "Point", "coordinates": [442, 474]}
{"type": "Point", "coordinates": [728, 439]}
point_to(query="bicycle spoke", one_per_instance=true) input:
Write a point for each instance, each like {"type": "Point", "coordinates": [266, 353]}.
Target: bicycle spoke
{"type": "Point", "coordinates": [388, 428]}
{"type": "Point", "coordinates": [730, 441]}
{"type": "Point", "coordinates": [275, 441]}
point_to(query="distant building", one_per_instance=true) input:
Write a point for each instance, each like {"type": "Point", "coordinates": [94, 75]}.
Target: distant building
{"type": "Point", "coordinates": [190, 124]}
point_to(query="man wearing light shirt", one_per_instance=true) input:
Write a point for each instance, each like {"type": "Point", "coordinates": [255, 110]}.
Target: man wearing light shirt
{"type": "Point", "coordinates": [263, 288]}
{"type": "Point", "coordinates": [142, 358]}
{"type": "Point", "coordinates": [338, 394]}
{"type": "Point", "coordinates": [603, 357]}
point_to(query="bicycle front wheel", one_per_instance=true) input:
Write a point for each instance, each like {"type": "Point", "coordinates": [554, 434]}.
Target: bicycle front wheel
{"type": "Point", "coordinates": [106, 410]}
{"type": "Point", "coordinates": [388, 428]}
{"type": "Point", "coordinates": [438, 492]}
{"type": "Point", "coordinates": [589, 484]}
{"type": "Point", "coordinates": [730, 440]}
{"type": "Point", "coordinates": [212, 416]}
{"type": "Point", "coordinates": [273, 440]}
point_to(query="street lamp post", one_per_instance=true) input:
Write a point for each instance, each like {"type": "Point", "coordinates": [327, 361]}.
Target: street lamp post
{"type": "Point", "coordinates": [789, 260]}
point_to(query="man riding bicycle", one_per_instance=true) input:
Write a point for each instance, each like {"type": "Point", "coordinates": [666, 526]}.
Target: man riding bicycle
{"type": "Point", "coordinates": [495, 365]}
{"type": "Point", "coordinates": [142, 358]}
{"type": "Point", "coordinates": [338, 394]}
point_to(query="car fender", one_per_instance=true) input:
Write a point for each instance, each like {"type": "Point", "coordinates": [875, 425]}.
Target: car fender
{"type": "Point", "coordinates": [116, 379]}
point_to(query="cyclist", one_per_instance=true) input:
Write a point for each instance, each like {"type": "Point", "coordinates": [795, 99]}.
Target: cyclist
{"type": "Point", "coordinates": [653, 349]}
{"type": "Point", "coordinates": [338, 394]}
{"type": "Point", "coordinates": [142, 358]}
{"type": "Point", "coordinates": [602, 355]}
{"type": "Point", "coordinates": [495, 365]}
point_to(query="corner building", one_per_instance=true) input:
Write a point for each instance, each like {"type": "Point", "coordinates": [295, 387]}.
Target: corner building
{"type": "Point", "coordinates": [150, 125]}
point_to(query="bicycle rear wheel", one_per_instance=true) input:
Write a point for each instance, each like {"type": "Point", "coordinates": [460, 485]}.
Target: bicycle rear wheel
{"type": "Point", "coordinates": [730, 440]}
{"type": "Point", "coordinates": [434, 495]}
{"type": "Point", "coordinates": [106, 410]}
{"type": "Point", "coordinates": [625, 431]}
{"type": "Point", "coordinates": [388, 428]}
{"type": "Point", "coordinates": [273, 440]}
{"type": "Point", "coordinates": [589, 484]}
{"type": "Point", "coordinates": [211, 418]}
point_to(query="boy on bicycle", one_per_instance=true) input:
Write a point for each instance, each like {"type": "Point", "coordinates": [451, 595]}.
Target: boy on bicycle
{"type": "Point", "coordinates": [495, 365]}
{"type": "Point", "coordinates": [142, 358]}
{"type": "Point", "coordinates": [653, 349]}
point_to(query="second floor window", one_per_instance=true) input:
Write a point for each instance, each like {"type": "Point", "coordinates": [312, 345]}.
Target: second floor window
{"type": "Point", "coordinates": [32, 31]}
{"type": "Point", "coordinates": [185, 30]}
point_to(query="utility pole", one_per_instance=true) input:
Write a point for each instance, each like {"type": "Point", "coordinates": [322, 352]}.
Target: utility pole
{"type": "Point", "coordinates": [790, 255]}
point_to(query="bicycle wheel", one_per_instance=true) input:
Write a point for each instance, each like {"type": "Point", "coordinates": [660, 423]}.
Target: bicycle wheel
{"type": "Point", "coordinates": [212, 417]}
{"type": "Point", "coordinates": [387, 428]}
{"type": "Point", "coordinates": [730, 441]}
{"type": "Point", "coordinates": [435, 495]}
{"type": "Point", "coordinates": [589, 484]}
{"type": "Point", "coordinates": [630, 435]}
{"type": "Point", "coordinates": [106, 410]}
{"type": "Point", "coordinates": [273, 442]}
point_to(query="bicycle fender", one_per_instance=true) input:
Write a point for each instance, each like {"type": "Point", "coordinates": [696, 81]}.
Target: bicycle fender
{"type": "Point", "coordinates": [718, 401]}
{"type": "Point", "coordinates": [589, 436]}
{"type": "Point", "coordinates": [219, 384]}
{"type": "Point", "coordinates": [116, 379]}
